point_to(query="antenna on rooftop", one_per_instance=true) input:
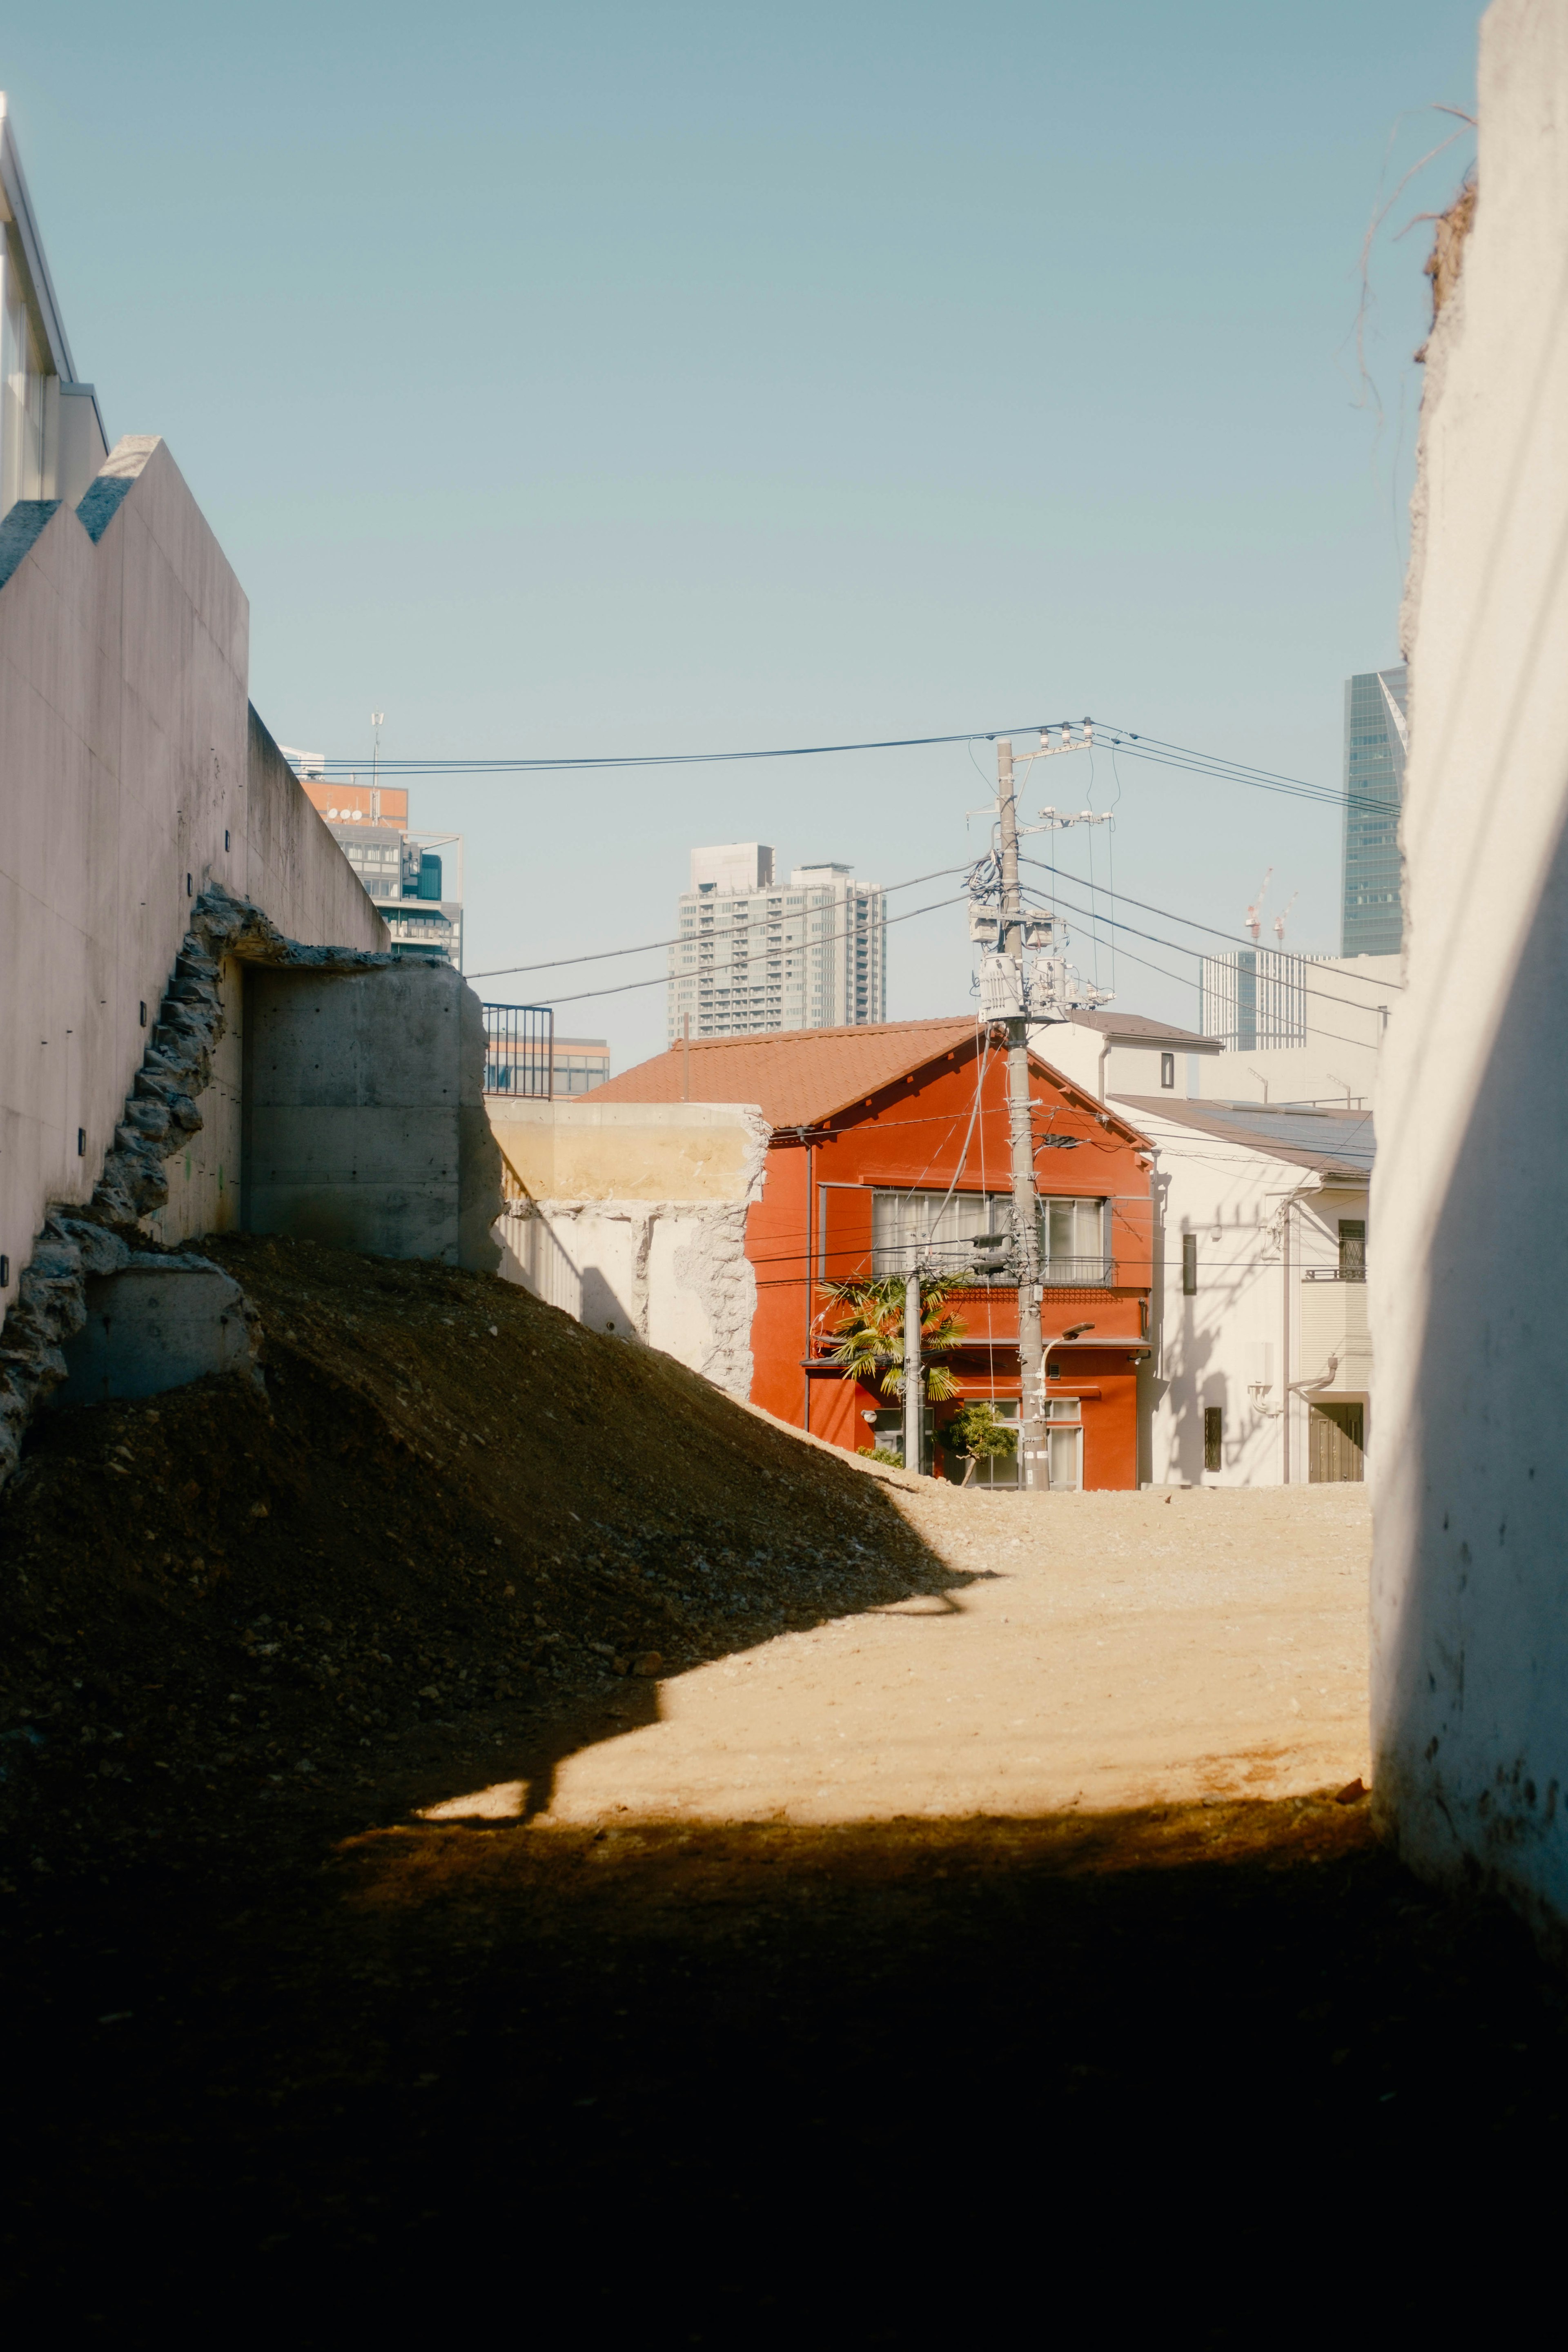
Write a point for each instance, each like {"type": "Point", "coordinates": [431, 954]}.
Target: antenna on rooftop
{"type": "Point", "coordinates": [375, 718]}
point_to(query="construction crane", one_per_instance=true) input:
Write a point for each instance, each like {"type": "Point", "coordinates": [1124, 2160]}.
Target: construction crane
{"type": "Point", "coordinates": [1280, 918]}
{"type": "Point", "coordinates": [1255, 912]}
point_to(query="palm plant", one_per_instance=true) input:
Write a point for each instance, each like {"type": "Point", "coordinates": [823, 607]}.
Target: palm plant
{"type": "Point", "coordinates": [870, 1338]}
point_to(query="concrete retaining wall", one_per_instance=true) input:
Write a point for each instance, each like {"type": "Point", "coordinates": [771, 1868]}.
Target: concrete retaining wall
{"type": "Point", "coordinates": [1470, 1267]}
{"type": "Point", "coordinates": [364, 1113]}
{"type": "Point", "coordinates": [133, 776]}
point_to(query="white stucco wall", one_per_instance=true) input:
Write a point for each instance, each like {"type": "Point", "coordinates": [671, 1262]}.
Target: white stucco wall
{"type": "Point", "coordinates": [1257, 1316]}
{"type": "Point", "coordinates": [1470, 1575]}
{"type": "Point", "coordinates": [638, 1222]}
{"type": "Point", "coordinates": [1350, 1001]}
{"type": "Point", "coordinates": [1103, 1067]}
{"type": "Point", "coordinates": [127, 764]}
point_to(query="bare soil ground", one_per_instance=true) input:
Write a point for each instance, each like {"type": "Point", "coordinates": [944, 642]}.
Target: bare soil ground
{"type": "Point", "coordinates": [963, 1886]}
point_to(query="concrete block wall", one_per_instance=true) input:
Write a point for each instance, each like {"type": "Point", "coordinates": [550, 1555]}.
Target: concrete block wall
{"type": "Point", "coordinates": [1467, 1278]}
{"type": "Point", "coordinates": [134, 774]}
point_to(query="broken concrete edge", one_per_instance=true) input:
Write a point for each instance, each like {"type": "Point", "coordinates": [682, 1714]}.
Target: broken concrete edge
{"type": "Point", "coordinates": [160, 1323]}
{"type": "Point", "coordinates": [101, 1236]}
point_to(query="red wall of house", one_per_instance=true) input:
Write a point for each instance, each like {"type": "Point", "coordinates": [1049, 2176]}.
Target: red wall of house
{"type": "Point", "coordinates": [912, 1135]}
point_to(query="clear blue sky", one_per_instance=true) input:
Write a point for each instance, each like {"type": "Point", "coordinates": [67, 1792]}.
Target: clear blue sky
{"type": "Point", "coordinates": [623, 377]}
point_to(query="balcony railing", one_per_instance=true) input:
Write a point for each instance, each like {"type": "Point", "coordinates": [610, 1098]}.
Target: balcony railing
{"type": "Point", "coordinates": [1078, 1274]}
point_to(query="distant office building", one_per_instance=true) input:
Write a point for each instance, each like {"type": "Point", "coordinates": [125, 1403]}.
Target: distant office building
{"type": "Point", "coordinates": [406, 872]}
{"type": "Point", "coordinates": [755, 956]}
{"type": "Point", "coordinates": [579, 1064]}
{"type": "Point", "coordinates": [1375, 736]}
{"type": "Point", "coordinates": [519, 1058]}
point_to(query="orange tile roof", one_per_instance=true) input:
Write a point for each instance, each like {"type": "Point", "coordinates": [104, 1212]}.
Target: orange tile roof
{"type": "Point", "coordinates": [796, 1077]}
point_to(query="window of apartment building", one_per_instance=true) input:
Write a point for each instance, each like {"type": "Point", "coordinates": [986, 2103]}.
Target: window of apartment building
{"type": "Point", "coordinates": [1167, 1069]}
{"type": "Point", "coordinates": [1352, 1249]}
{"type": "Point", "coordinates": [1213, 1436]}
{"type": "Point", "coordinates": [1189, 1265]}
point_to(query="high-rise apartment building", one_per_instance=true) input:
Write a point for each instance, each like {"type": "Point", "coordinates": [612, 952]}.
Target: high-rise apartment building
{"type": "Point", "coordinates": [756, 956]}
{"type": "Point", "coordinates": [1375, 737]}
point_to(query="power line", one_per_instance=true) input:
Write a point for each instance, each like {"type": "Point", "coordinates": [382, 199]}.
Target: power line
{"type": "Point", "coordinates": [1327, 994]}
{"type": "Point", "coordinates": [1190, 922]}
{"type": "Point", "coordinates": [688, 759]}
{"type": "Point", "coordinates": [1163, 754]}
{"type": "Point", "coordinates": [1134, 744]}
{"type": "Point", "coordinates": [1177, 948]}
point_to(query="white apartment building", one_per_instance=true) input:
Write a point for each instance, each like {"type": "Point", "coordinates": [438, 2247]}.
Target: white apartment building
{"type": "Point", "coordinates": [755, 956]}
{"type": "Point", "coordinates": [1262, 1369]}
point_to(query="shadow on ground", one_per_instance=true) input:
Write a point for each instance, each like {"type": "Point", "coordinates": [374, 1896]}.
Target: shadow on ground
{"type": "Point", "coordinates": [711, 2082]}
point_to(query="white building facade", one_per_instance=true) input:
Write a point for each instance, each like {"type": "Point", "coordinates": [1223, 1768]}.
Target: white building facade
{"type": "Point", "coordinates": [755, 955]}
{"type": "Point", "coordinates": [1261, 1373]}
{"type": "Point", "coordinates": [1296, 1028]}
{"type": "Point", "coordinates": [52, 441]}
{"type": "Point", "coordinates": [1470, 1494]}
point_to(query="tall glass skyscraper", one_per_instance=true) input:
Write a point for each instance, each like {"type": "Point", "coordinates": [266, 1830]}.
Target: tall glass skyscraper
{"type": "Point", "coordinates": [1374, 916]}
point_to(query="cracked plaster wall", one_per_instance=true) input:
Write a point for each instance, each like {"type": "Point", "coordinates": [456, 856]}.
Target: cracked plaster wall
{"type": "Point", "coordinates": [671, 1271]}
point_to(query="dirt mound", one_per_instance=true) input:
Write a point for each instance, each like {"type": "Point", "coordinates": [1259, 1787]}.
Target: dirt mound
{"type": "Point", "coordinates": [450, 1507]}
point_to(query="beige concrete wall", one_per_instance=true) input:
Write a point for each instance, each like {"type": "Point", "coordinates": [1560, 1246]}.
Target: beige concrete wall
{"type": "Point", "coordinates": [579, 1150]}
{"type": "Point", "coordinates": [127, 779]}
{"type": "Point", "coordinates": [1470, 1263]}
{"type": "Point", "coordinates": [635, 1223]}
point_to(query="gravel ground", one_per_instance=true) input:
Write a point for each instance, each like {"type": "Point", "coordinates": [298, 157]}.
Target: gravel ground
{"type": "Point", "coordinates": [1096, 1650]}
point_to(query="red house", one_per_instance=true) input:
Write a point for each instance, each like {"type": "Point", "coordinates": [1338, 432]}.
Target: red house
{"type": "Point", "coordinates": [882, 1132]}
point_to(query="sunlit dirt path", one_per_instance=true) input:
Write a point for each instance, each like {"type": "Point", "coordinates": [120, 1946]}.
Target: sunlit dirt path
{"type": "Point", "coordinates": [1100, 1651]}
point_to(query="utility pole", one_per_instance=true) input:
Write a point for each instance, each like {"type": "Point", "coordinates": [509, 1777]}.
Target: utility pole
{"type": "Point", "coordinates": [1021, 1139]}
{"type": "Point", "coordinates": [914, 1381]}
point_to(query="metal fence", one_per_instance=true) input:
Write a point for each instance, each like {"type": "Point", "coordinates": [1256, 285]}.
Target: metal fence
{"type": "Point", "coordinates": [519, 1050]}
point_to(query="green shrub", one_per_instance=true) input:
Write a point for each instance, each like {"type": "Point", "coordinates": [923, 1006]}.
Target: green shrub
{"type": "Point", "coordinates": [978, 1430]}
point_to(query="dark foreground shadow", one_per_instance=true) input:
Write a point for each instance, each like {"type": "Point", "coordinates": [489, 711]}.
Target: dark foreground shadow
{"type": "Point", "coordinates": [726, 2085]}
